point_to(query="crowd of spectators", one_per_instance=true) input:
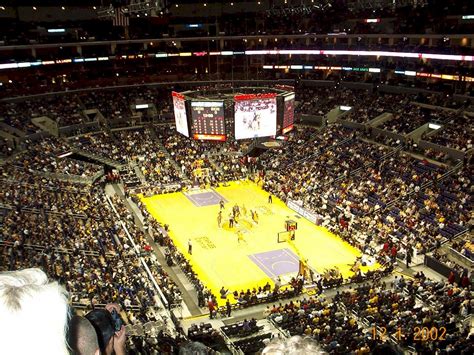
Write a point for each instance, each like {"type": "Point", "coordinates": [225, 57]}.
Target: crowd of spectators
{"type": "Point", "coordinates": [320, 101]}
{"type": "Point", "coordinates": [379, 103]}
{"type": "Point", "coordinates": [456, 133]}
{"type": "Point", "coordinates": [369, 194]}
{"type": "Point", "coordinates": [465, 247]}
{"type": "Point", "coordinates": [155, 164]}
{"type": "Point", "coordinates": [112, 104]}
{"type": "Point", "coordinates": [406, 120]}
{"type": "Point", "coordinates": [71, 232]}
{"type": "Point", "coordinates": [17, 116]}
{"type": "Point", "coordinates": [7, 147]}
{"type": "Point", "coordinates": [347, 322]}
{"type": "Point", "coordinates": [64, 109]}
{"type": "Point", "coordinates": [47, 155]}
{"type": "Point", "coordinates": [102, 144]}
{"type": "Point", "coordinates": [409, 304]}
{"type": "Point", "coordinates": [413, 116]}
{"type": "Point", "coordinates": [190, 155]}
{"type": "Point", "coordinates": [143, 243]}
{"type": "Point", "coordinates": [383, 201]}
{"type": "Point", "coordinates": [324, 321]}
{"type": "Point", "coordinates": [68, 108]}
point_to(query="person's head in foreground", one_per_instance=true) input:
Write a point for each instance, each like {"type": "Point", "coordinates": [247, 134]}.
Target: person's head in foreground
{"type": "Point", "coordinates": [295, 345]}
{"type": "Point", "coordinates": [33, 314]}
{"type": "Point", "coordinates": [110, 339]}
{"type": "Point", "coordinates": [82, 337]}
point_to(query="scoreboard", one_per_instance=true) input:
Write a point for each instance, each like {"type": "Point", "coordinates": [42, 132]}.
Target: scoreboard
{"type": "Point", "coordinates": [288, 113]}
{"type": "Point", "coordinates": [179, 106]}
{"type": "Point", "coordinates": [255, 115]}
{"type": "Point", "coordinates": [208, 120]}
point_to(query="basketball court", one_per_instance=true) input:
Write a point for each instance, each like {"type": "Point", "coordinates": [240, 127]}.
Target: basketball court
{"type": "Point", "coordinates": [249, 254]}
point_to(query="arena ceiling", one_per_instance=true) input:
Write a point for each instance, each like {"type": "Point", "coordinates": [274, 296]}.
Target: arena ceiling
{"type": "Point", "coordinates": [39, 3]}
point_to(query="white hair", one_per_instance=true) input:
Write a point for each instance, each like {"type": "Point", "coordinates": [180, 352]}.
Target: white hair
{"type": "Point", "coordinates": [33, 314]}
{"type": "Point", "coordinates": [295, 345]}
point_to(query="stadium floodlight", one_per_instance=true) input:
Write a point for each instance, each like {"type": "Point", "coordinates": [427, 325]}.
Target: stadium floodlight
{"type": "Point", "coordinates": [65, 155]}
{"type": "Point", "coordinates": [56, 30]}
{"type": "Point", "coordinates": [434, 126]}
{"type": "Point", "coordinates": [8, 65]}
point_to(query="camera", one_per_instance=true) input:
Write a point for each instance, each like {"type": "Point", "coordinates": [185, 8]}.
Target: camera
{"type": "Point", "coordinates": [117, 321]}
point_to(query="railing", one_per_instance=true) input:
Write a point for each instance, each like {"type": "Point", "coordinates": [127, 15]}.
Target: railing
{"type": "Point", "coordinates": [463, 257]}
{"type": "Point", "coordinates": [344, 141]}
{"type": "Point", "coordinates": [64, 177]}
{"type": "Point", "coordinates": [163, 300]}
{"type": "Point", "coordinates": [57, 249]}
{"type": "Point", "coordinates": [38, 211]}
{"type": "Point", "coordinates": [99, 158]}
{"type": "Point", "coordinates": [230, 345]}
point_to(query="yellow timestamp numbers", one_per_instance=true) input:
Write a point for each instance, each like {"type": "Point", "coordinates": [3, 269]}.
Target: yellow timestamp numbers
{"type": "Point", "coordinates": [419, 333]}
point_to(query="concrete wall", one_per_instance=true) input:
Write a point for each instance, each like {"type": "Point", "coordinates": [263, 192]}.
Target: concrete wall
{"type": "Point", "coordinates": [377, 131]}
{"type": "Point", "coordinates": [352, 124]}
{"type": "Point", "coordinates": [313, 120]}
{"type": "Point", "coordinates": [453, 153]}
{"type": "Point", "coordinates": [318, 83]}
{"type": "Point", "coordinates": [404, 90]}
{"type": "Point", "coordinates": [357, 86]}
{"type": "Point", "coordinates": [380, 119]}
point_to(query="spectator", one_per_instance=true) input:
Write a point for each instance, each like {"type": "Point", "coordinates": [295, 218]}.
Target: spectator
{"type": "Point", "coordinates": [295, 345]}
{"type": "Point", "coordinates": [33, 313]}
{"type": "Point", "coordinates": [82, 337]}
{"type": "Point", "coordinates": [110, 340]}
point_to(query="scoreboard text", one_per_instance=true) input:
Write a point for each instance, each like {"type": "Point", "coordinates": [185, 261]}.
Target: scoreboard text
{"type": "Point", "coordinates": [208, 120]}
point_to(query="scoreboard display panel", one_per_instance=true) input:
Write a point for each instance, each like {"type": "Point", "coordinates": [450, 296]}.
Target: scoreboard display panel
{"type": "Point", "coordinates": [288, 113]}
{"type": "Point", "coordinates": [208, 121]}
{"type": "Point", "coordinates": [179, 106]}
{"type": "Point", "coordinates": [255, 115]}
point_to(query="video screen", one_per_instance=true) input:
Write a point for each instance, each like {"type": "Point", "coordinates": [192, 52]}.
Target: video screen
{"type": "Point", "coordinates": [288, 113]}
{"type": "Point", "coordinates": [179, 105]}
{"type": "Point", "coordinates": [255, 116]}
{"type": "Point", "coordinates": [208, 120]}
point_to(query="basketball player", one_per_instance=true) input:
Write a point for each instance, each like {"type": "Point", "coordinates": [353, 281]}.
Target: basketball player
{"type": "Point", "coordinates": [221, 204]}
{"type": "Point", "coordinates": [231, 221]}
{"type": "Point", "coordinates": [255, 217]}
{"type": "Point", "coordinates": [270, 199]}
{"type": "Point", "coordinates": [292, 235]}
{"type": "Point", "coordinates": [240, 237]}
{"type": "Point", "coordinates": [219, 219]}
{"type": "Point", "coordinates": [190, 247]}
{"type": "Point", "coordinates": [244, 211]}
{"type": "Point", "coordinates": [236, 211]}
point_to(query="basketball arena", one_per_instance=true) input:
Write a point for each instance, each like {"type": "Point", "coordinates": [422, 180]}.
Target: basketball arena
{"type": "Point", "coordinates": [236, 177]}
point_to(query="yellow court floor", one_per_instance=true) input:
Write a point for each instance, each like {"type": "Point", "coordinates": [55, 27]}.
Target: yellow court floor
{"type": "Point", "coordinates": [221, 258]}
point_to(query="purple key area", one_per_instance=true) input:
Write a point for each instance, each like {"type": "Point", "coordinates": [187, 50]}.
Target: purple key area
{"type": "Point", "coordinates": [276, 262]}
{"type": "Point", "coordinates": [204, 198]}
